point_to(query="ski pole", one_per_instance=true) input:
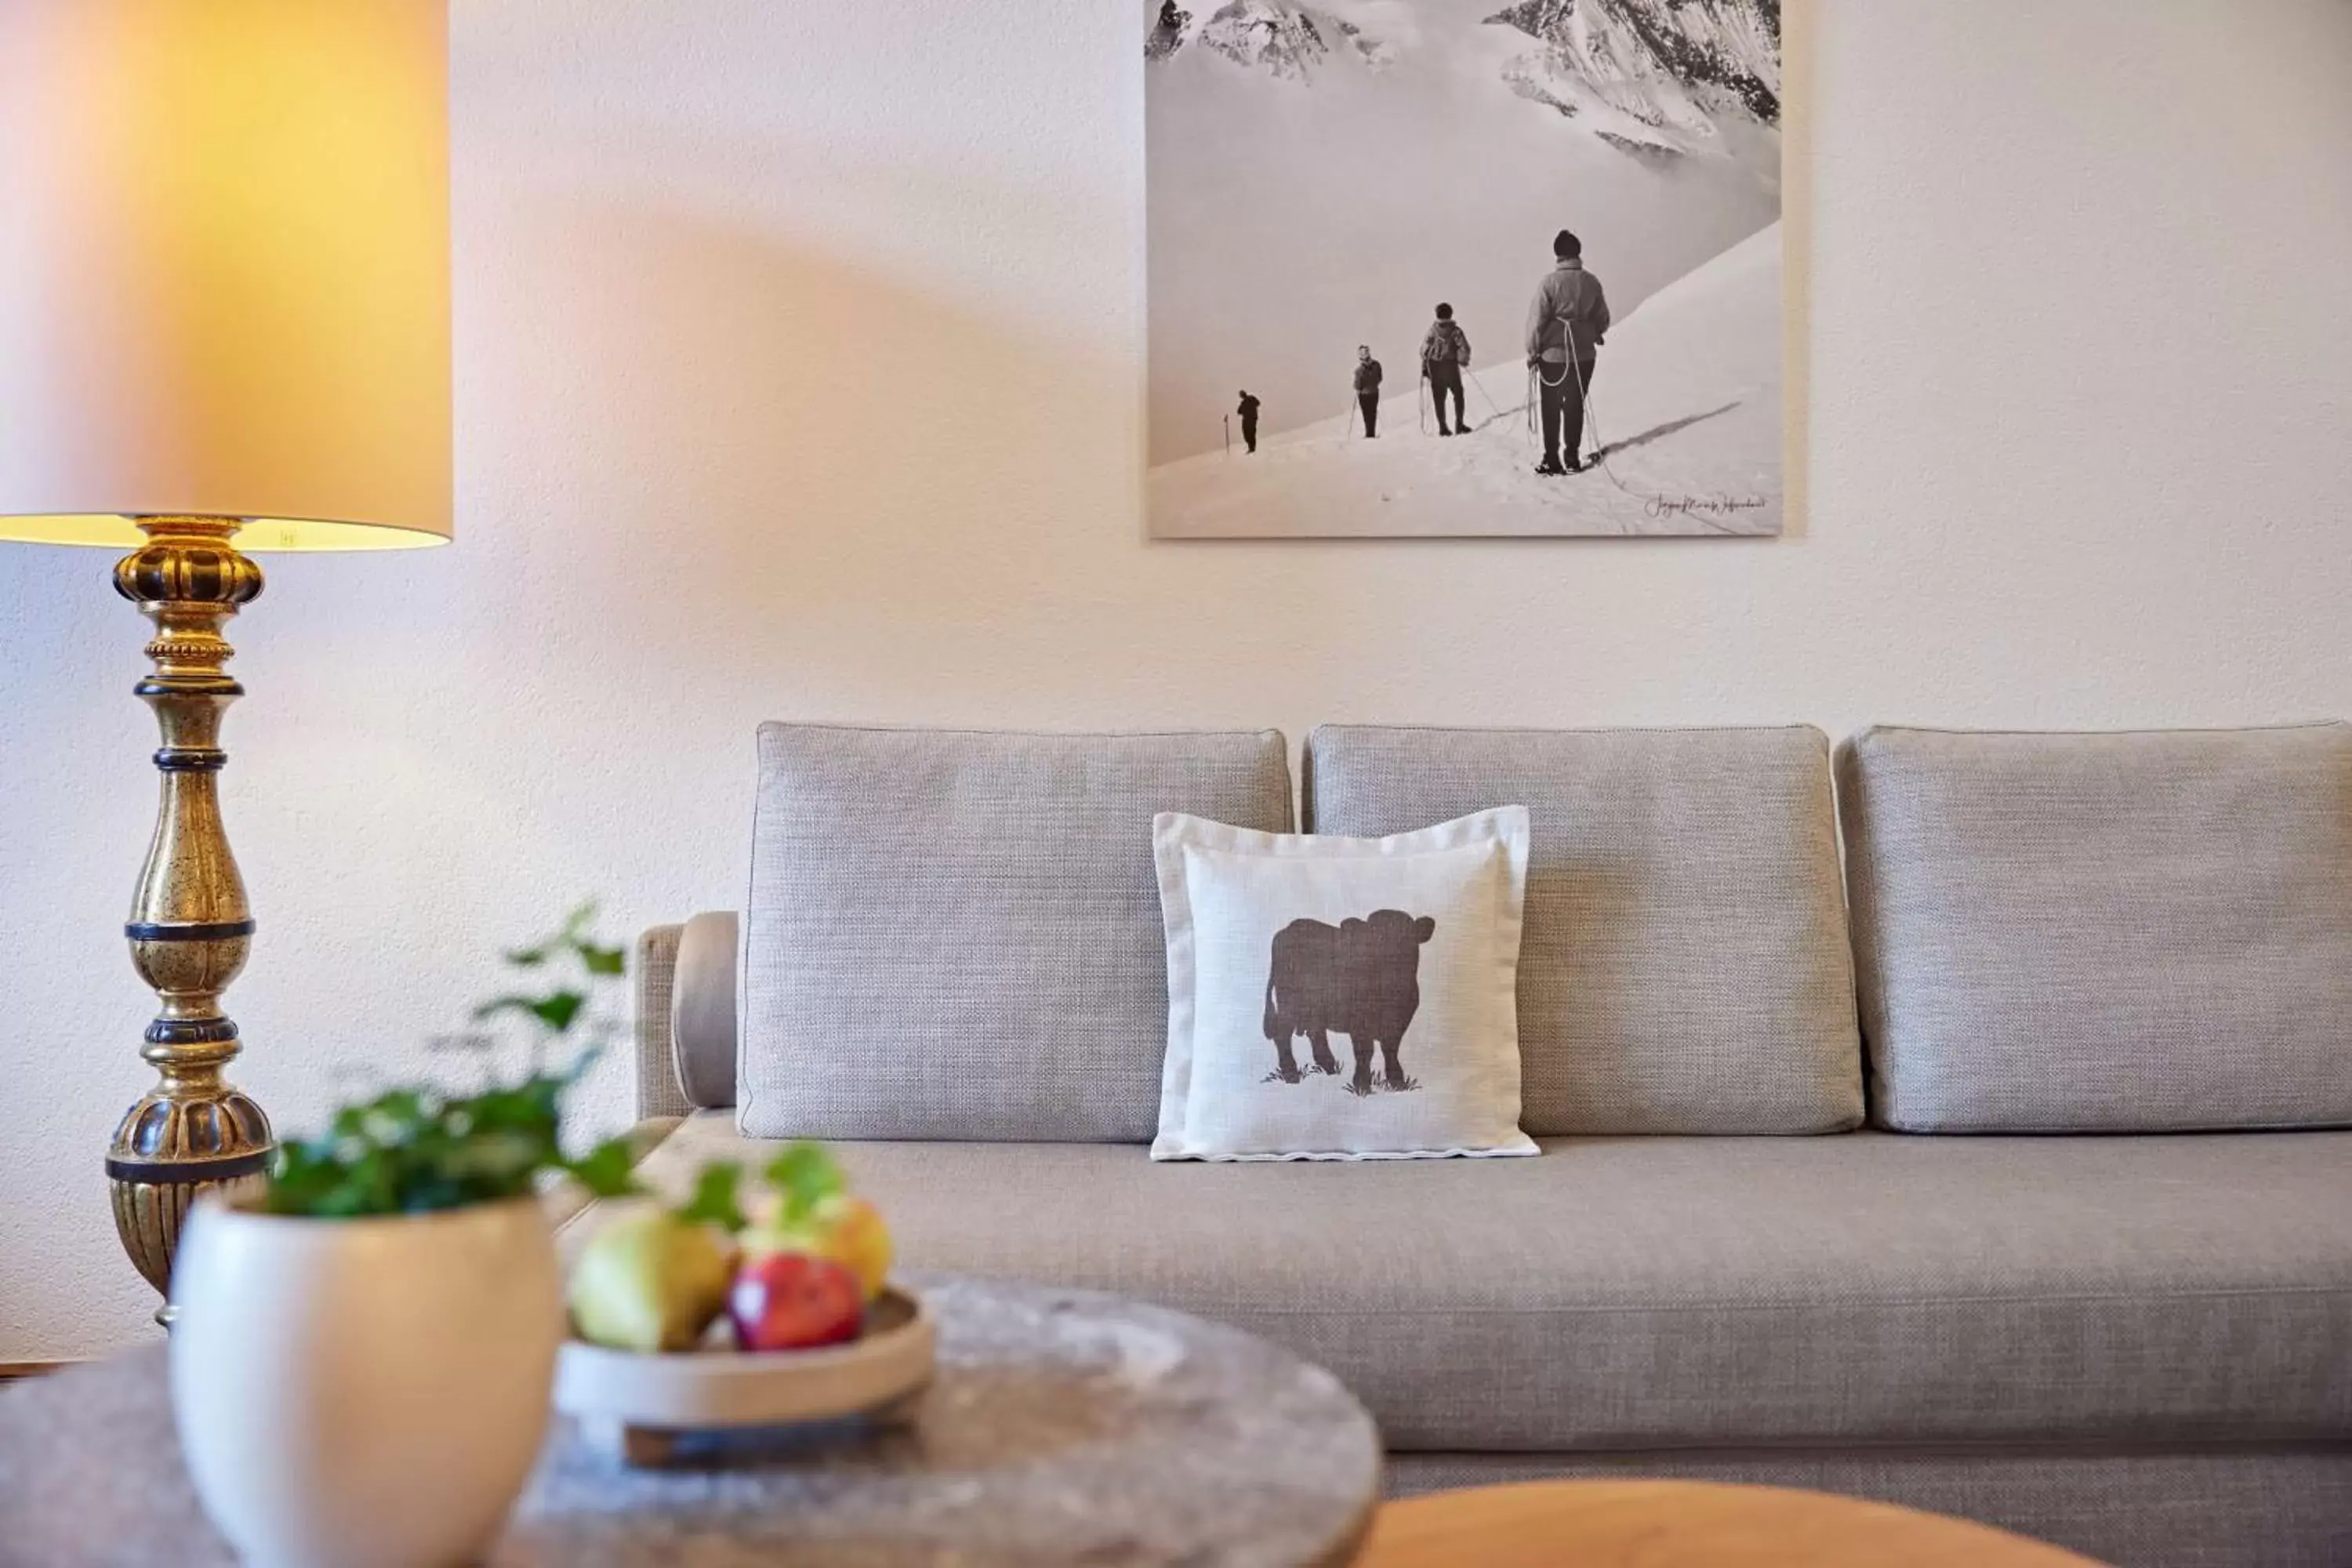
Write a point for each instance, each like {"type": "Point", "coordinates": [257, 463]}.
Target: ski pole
{"type": "Point", "coordinates": [1229, 435]}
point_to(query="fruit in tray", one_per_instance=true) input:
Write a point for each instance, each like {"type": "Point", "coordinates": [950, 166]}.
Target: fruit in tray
{"type": "Point", "coordinates": [793, 1301]}
{"type": "Point", "coordinates": [658, 1279]}
{"type": "Point", "coordinates": [650, 1281]}
{"type": "Point", "coordinates": [848, 1230]}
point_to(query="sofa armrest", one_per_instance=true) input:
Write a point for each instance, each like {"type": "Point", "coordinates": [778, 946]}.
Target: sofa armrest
{"type": "Point", "coordinates": [702, 1010]}
{"type": "Point", "coordinates": [659, 1093]}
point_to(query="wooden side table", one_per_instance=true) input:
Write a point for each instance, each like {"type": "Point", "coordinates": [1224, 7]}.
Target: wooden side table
{"type": "Point", "coordinates": [1685, 1524]}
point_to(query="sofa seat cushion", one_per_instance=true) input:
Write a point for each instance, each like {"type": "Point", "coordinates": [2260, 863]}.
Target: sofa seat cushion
{"type": "Point", "coordinates": [1665, 1292]}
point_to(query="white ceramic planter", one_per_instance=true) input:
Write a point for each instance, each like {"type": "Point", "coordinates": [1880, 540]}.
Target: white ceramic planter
{"type": "Point", "coordinates": [363, 1392]}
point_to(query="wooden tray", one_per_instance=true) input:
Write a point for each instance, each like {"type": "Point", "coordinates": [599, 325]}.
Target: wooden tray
{"type": "Point", "coordinates": [642, 1407]}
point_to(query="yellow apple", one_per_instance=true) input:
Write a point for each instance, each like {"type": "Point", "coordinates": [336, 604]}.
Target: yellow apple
{"type": "Point", "coordinates": [848, 1230]}
{"type": "Point", "coordinates": [856, 1237]}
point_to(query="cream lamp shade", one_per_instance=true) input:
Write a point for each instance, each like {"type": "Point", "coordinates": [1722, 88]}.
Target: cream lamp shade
{"type": "Point", "coordinates": [224, 270]}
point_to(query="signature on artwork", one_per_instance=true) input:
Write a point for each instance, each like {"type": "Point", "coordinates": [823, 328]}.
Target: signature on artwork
{"type": "Point", "coordinates": [1710, 506]}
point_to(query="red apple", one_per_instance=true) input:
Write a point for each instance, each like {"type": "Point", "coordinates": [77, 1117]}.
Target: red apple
{"type": "Point", "coordinates": [793, 1301]}
{"type": "Point", "coordinates": [846, 1229]}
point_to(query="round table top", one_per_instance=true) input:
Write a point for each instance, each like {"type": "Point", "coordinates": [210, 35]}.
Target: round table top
{"type": "Point", "coordinates": [1062, 1426]}
{"type": "Point", "coordinates": [1688, 1524]}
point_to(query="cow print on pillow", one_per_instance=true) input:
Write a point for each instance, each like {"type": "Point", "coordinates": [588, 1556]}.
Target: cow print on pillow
{"type": "Point", "coordinates": [1360, 978]}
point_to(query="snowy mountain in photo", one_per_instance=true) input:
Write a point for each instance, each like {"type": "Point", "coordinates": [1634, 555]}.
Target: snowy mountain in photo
{"type": "Point", "coordinates": [1286, 40]}
{"type": "Point", "coordinates": [1686, 415]}
{"type": "Point", "coordinates": [1652, 77]}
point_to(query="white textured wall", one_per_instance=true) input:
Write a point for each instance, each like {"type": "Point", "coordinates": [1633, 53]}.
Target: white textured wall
{"type": "Point", "coordinates": [799, 355]}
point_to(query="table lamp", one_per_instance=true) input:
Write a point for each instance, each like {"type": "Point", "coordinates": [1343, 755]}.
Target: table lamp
{"type": "Point", "coordinates": [224, 328]}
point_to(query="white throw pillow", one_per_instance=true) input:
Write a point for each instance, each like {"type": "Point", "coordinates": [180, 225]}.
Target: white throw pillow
{"type": "Point", "coordinates": [1337, 998]}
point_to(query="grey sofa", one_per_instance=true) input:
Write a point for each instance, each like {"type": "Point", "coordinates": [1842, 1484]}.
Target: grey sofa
{"type": "Point", "coordinates": [2022, 1195]}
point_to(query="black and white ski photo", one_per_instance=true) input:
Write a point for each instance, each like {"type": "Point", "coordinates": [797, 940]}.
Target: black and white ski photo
{"type": "Point", "coordinates": [1434, 268]}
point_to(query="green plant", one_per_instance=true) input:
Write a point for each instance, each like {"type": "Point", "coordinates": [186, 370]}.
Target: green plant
{"type": "Point", "coordinates": [416, 1150]}
{"type": "Point", "coordinates": [560, 1008]}
{"type": "Point", "coordinates": [803, 1173]}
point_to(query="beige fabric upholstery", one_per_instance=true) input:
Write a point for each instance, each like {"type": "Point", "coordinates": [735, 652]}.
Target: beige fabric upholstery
{"type": "Point", "coordinates": [703, 1012]}
{"type": "Point", "coordinates": [2104, 932]}
{"type": "Point", "coordinates": [1686, 965]}
{"type": "Point", "coordinates": [1629, 1293]}
{"type": "Point", "coordinates": [655, 965]}
{"type": "Point", "coordinates": [956, 934]}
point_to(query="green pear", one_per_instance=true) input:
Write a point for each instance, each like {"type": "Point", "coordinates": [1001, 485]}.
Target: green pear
{"type": "Point", "coordinates": [650, 1281]}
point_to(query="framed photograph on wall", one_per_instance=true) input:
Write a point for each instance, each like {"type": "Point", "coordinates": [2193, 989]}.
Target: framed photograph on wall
{"type": "Point", "coordinates": [1455, 267]}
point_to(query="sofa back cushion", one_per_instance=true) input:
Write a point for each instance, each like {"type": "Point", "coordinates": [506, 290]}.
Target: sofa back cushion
{"type": "Point", "coordinates": [2119, 932]}
{"type": "Point", "coordinates": [1683, 966]}
{"type": "Point", "coordinates": [956, 935]}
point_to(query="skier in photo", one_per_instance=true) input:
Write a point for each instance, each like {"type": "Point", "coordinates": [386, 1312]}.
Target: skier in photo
{"type": "Point", "coordinates": [1445, 355]}
{"type": "Point", "coordinates": [1565, 325]}
{"type": "Point", "coordinates": [1168, 36]}
{"type": "Point", "coordinates": [1248, 411]}
{"type": "Point", "coordinates": [1367, 388]}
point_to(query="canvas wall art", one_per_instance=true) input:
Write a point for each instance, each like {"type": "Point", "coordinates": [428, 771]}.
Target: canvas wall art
{"type": "Point", "coordinates": [1432, 268]}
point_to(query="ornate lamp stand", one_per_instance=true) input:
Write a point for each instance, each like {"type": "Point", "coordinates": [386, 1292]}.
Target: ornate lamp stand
{"type": "Point", "coordinates": [275, 377]}
{"type": "Point", "coordinates": [190, 928]}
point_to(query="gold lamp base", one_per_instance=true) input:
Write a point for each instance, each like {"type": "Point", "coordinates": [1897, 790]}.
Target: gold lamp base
{"type": "Point", "coordinates": [190, 928]}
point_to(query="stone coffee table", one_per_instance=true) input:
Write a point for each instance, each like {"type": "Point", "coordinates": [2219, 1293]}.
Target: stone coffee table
{"type": "Point", "coordinates": [1063, 1427]}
